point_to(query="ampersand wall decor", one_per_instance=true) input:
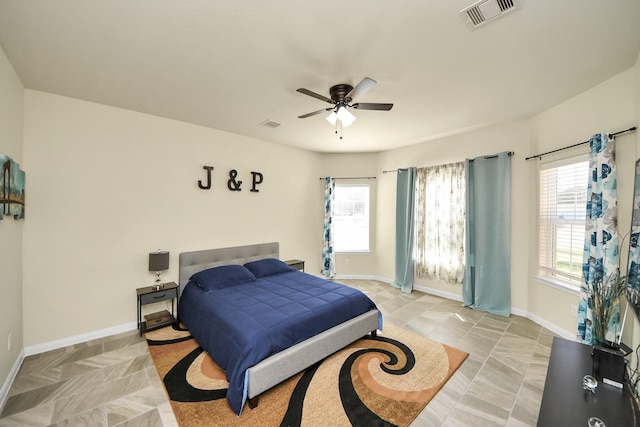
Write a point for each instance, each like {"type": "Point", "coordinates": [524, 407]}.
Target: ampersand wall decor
{"type": "Point", "coordinates": [231, 183]}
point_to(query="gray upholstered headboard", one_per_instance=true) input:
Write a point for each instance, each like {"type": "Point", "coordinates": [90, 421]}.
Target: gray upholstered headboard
{"type": "Point", "coordinates": [192, 262]}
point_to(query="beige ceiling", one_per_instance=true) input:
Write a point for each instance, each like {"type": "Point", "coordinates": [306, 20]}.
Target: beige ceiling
{"type": "Point", "coordinates": [232, 64]}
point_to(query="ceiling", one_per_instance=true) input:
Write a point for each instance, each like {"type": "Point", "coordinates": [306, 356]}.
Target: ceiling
{"type": "Point", "coordinates": [233, 64]}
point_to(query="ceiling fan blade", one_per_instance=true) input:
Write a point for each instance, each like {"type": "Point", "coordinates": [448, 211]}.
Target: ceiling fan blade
{"type": "Point", "coordinates": [304, 116]}
{"type": "Point", "coordinates": [364, 85]}
{"type": "Point", "coordinates": [372, 106]}
{"type": "Point", "coordinates": [315, 95]}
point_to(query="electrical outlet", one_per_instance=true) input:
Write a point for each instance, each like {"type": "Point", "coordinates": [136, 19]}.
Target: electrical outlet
{"type": "Point", "coordinates": [9, 343]}
{"type": "Point", "coordinates": [346, 260]}
{"type": "Point", "coordinates": [574, 310]}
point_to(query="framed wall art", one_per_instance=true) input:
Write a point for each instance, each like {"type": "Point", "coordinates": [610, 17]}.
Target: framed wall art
{"type": "Point", "coordinates": [11, 188]}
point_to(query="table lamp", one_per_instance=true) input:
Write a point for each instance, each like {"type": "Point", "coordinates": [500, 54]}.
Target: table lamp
{"type": "Point", "coordinates": [158, 261]}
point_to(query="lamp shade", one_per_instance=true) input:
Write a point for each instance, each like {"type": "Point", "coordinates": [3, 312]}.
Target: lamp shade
{"type": "Point", "coordinates": [159, 261]}
{"type": "Point", "coordinates": [345, 117]}
{"type": "Point", "coordinates": [331, 118]}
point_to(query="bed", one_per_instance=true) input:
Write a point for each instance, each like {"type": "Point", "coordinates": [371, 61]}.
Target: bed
{"type": "Point", "coordinates": [245, 323]}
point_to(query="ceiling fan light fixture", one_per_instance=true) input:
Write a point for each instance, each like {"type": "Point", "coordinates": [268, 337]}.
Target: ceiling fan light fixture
{"type": "Point", "coordinates": [345, 117]}
{"type": "Point", "coordinates": [348, 122]}
{"type": "Point", "coordinates": [342, 96]}
{"type": "Point", "coordinates": [331, 118]}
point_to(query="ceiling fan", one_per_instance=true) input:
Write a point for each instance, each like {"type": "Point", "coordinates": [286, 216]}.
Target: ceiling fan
{"type": "Point", "coordinates": [342, 96]}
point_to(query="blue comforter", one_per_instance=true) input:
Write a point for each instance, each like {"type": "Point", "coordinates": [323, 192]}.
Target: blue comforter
{"type": "Point", "coordinates": [239, 326]}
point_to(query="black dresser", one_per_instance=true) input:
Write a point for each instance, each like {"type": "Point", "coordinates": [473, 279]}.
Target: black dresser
{"type": "Point", "coordinates": [565, 403]}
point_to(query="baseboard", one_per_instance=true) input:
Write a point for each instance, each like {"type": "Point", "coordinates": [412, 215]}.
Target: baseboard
{"type": "Point", "coordinates": [457, 297]}
{"type": "Point", "coordinates": [553, 328]}
{"type": "Point", "coordinates": [519, 312]}
{"type": "Point", "coordinates": [77, 339]}
{"type": "Point", "coordinates": [438, 293]}
{"type": "Point", "coordinates": [361, 277]}
{"type": "Point", "coordinates": [4, 392]}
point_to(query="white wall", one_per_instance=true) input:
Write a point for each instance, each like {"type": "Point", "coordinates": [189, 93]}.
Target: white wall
{"type": "Point", "coordinates": [511, 137]}
{"type": "Point", "coordinates": [11, 115]}
{"type": "Point", "coordinates": [608, 107]}
{"type": "Point", "coordinates": [106, 186]}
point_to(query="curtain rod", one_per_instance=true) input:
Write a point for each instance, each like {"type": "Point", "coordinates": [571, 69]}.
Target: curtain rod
{"type": "Point", "coordinates": [395, 170]}
{"type": "Point", "coordinates": [510, 153]}
{"type": "Point", "coordinates": [631, 129]}
{"type": "Point", "coordinates": [352, 177]}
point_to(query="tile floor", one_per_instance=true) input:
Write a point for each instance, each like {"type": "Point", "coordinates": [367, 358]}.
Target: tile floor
{"type": "Point", "coordinates": [112, 381]}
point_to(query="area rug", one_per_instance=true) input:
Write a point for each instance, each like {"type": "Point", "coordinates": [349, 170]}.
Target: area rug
{"type": "Point", "coordinates": [376, 381]}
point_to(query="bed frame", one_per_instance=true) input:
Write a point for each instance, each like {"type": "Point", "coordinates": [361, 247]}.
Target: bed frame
{"type": "Point", "coordinates": [283, 365]}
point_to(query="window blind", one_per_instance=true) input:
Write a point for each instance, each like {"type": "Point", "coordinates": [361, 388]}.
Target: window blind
{"type": "Point", "coordinates": [563, 198]}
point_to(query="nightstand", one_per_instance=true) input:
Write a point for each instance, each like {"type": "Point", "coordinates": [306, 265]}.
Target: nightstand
{"type": "Point", "coordinates": [150, 295]}
{"type": "Point", "coordinates": [295, 264]}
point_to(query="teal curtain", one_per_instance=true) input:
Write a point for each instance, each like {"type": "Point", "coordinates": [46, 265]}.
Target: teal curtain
{"type": "Point", "coordinates": [328, 256]}
{"type": "Point", "coordinates": [405, 195]}
{"type": "Point", "coordinates": [487, 281]}
{"type": "Point", "coordinates": [600, 266]}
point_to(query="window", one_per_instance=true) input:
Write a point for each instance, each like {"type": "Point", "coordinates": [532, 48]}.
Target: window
{"type": "Point", "coordinates": [440, 222]}
{"type": "Point", "coordinates": [563, 198]}
{"type": "Point", "coordinates": [351, 218]}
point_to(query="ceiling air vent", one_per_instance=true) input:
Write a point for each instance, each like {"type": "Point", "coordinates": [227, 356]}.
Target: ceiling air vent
{"type": "Point", "coordinates": [484, 11]}
{"type": "Point", "coordinates": [270, 124]}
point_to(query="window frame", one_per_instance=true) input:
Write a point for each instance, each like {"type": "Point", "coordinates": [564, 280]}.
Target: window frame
{"type": "Point", "coordinates": [368, 219]}
{"type": "Point", "coordinates": [545, 274]}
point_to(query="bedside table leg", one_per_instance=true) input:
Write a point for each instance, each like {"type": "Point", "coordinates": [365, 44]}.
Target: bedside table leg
{"type": "Point", "coordinates": [139, 316]}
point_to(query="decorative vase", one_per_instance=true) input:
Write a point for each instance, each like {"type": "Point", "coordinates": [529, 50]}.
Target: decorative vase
{"type": "Point", "coordinates": [606, 303]}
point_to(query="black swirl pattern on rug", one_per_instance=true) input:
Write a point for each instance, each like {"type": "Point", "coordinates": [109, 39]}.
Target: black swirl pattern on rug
{"type": "Point", "coordinates": [179, 388]}
{"type": "Point", "coordinates": [175, 327]}
{"type": "Point", "coordinates": [357, 412]}
{"type": "Point", "coordinates": [293, 416]}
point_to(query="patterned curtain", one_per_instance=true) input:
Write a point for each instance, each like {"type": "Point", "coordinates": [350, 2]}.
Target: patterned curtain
{"type": "Point", "coordinates": [601, 260]}
{"type": "Point", "coordinates": [328, 257]}
{"type": "Point", "coordinates": [440, 222]}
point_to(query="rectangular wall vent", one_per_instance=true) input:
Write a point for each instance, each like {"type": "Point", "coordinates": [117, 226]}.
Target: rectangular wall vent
{"type": "Point", "coordinates": [484, 11]}
{"type": "Point", "coordinates": [270, 124]}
